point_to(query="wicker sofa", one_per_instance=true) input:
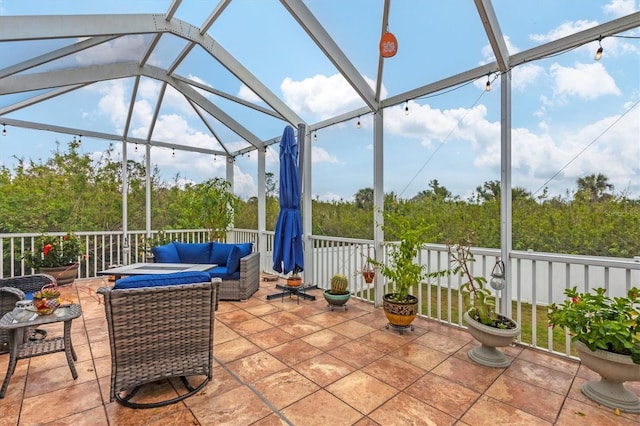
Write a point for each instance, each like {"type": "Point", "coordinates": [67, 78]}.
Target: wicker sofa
{"type": "Point", "coordinates": [238, 266]}
{"type": "Point", "coordinates": [14, 289]}
{"type": "Point", "coordinates": [160, 327]}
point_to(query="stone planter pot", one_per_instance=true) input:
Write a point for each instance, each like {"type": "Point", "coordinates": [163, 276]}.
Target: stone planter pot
{"type": "Point", "coordinates": [334, 300]}
{"type": "Point", "coordinates": [614, 370]}
{"type": "Point", "coordinates": [400, 314]}
{"type": "Point", "coordinates": [490, 339]}
{"type": "Point", "coordinates": [63, 274]}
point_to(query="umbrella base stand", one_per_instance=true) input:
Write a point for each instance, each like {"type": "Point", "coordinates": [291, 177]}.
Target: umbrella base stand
{"type": "Point", "coordinates": [299, 291]}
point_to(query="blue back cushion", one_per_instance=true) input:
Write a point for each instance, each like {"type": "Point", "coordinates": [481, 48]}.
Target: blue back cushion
{"type": "Point", "coordinates": [245, 249]}
{"type": "Point", "coordinates": [156, 280]}
{"type": "Point", "coordinates": [233, 261]}
{"type": "Point", "coordinates": [220, 253]}
{"type": "Point", "coordinates": [193, 252]}
{"type": "Point", "coordinates": [166, 254]}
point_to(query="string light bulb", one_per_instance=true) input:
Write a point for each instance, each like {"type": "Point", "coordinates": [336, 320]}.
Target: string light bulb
{"type": "Point", "coordinates": [4, 129]}
{"type": "Point", "coordinates": [173, 152]}
{"type": "Point", "coordinates": [406, 108]}
{"type": "Point", "coordinates": [599, 51]}
{"type": "Point", "coordinates": [79, 138]}
{"type": "Point", "coordinates": [136, 148]}
{"type": "Point", "coordinates": [358, 123]}
{"type": "Point", "coordinates": [315, 135]}
{"type": "Point", "coordinates": [488, 86]}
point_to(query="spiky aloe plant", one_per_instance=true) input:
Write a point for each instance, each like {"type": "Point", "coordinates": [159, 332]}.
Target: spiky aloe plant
{"type": "Point", "coordinates": [339, 284]}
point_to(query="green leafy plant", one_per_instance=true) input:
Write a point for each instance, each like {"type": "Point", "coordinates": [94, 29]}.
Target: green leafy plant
{"type": "Point", "coordinates": [599, 321]}
{"type": "Point", "coordinates": [401, 267]}
{"type": "Point", "coordinates": [158, 239]}
{"type": "Point", "coordinates": [477, 298]}
{"type": "Point", "coordinates": [51, 251]}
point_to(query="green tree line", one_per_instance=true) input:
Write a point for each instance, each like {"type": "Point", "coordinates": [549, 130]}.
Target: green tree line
{"type": "Point", "coordinates": [71, 191]}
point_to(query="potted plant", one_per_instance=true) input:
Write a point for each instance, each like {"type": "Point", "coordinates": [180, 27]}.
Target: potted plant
{"type": "Point", "coordinates": [606, 333]}
{"type": "Point", "coordinates": [294, 280]}
{"type": "Point", "coordinates": [56, 256]}
{"type": "Point", "coordinates": [368, 272]}
{"type": "Point", "coordinates": [338, 294]}
{"type": "Point", "coordinates": [402, 269]}
{"type": "Point", "coordinates": [487, 326]}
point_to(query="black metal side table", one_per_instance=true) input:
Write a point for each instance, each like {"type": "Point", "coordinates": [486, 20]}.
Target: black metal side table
{"type": "Point", "coordinates": [19, 349]}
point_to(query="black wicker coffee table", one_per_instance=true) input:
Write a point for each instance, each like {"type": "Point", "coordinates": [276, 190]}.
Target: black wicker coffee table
{"type": "Point", "coordinates": [19, 349]}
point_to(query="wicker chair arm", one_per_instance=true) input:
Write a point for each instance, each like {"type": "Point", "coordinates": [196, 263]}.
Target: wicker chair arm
{"type": "Point", "coordinates": [28, 283]}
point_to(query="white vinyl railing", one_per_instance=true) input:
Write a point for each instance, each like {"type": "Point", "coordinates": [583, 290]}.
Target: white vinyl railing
{"type": "Point", "coordinates": [538, 279]}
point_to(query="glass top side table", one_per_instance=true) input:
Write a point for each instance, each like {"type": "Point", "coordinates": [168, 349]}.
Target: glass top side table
{"type": "Point", "coordinates": [20, 350]}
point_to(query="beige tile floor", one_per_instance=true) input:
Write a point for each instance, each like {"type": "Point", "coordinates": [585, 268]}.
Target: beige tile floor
{"type": "Point", "coordinates": [283, 363]}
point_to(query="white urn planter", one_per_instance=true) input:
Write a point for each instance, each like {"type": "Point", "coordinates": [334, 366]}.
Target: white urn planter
{"type": "Point", "coordinates": [614, 369]}
{"type": "Point", "coordinates": [490, 338]}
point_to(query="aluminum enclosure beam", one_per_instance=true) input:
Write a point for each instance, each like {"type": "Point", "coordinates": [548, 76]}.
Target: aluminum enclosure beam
{"type": "Point", "coordinates": [17, 28]}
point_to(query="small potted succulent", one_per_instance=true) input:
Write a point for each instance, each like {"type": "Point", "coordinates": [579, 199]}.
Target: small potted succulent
{"type": "Point", "coordinates": [338, 294]}
{"type": "Point", "coordinates": [606, 333]}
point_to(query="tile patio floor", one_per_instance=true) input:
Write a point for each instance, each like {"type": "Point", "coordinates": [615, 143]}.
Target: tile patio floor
{"type": "Point", "coordinates": [283, 363]}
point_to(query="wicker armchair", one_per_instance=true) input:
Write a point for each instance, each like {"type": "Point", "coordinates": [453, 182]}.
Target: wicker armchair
{"type": "Point", "coordinates": [14, 289]}
{"type": "Point", "coordinates": [247, 284]}
{"type": "Point", "coordinates": [159, 333]}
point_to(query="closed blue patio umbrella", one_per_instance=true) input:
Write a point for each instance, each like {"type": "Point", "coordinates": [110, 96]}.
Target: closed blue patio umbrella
{"type": "Point", "coordinates": [287, 251]}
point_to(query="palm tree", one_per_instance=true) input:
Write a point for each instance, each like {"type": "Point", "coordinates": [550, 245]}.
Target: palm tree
{"type": "Point", "coordinates": [595, 187]}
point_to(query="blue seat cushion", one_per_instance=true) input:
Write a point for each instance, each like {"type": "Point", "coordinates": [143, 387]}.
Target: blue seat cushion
{"type": "Point", "coordinates": [156, 280]}
{"type": "Point", "coordinates": [222, 272]}
{"type": "Point", "coordinates": [233, 261]}
{"type": "Point", "coordinates": [193, 252]}
{"type": "Point", "coordinates": [165, 254]}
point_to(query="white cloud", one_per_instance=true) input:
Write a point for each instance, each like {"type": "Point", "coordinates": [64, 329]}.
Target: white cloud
{"type": "Point", "coordinates": [329, 196]}
{"type": "Point", "coordinates": [320, 155]}
{"type": "Point", "coordinates": [430, 125]}
{"type": "Point", "coordinates": [248, 95]}
{"type": "Point", "coordinates": [322, 96]}
{"type": "Point", "coordinates": [586, 81]}
{"type": "Point", "coordinates": [618, 8]}
{"type": "Point", "coordinates": [122, 49]}
{"type": "Point", "coordinates": [563, 30]}
{"type": "Point", "coordinates": [113, 103]}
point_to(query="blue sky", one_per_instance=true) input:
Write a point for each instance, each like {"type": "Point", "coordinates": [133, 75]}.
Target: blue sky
{"type": "Point", "coordinates": [572, 115]}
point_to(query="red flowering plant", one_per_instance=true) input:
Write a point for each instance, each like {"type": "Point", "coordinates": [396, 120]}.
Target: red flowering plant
{"type": "Point", "coordinates": [51, 251]}
{"type": "Point", "coordinates": [601, 322]}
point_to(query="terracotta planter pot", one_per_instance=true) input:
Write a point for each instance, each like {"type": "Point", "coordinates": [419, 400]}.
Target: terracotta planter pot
{"type": "Point", "coordinates": [490, 338]}
{"type": "Point", "coordinates": [368, 276]}
{"type": "Point", "coordinates": [614, 370]}
{"type": "Point", "coordinates": [63, 274]}
{"type": "Point", "coordinates": [294, 281]}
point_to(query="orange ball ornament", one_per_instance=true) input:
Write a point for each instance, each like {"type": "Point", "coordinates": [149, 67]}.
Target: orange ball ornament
{"type": "Point", "coordinates": [388, 45]}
